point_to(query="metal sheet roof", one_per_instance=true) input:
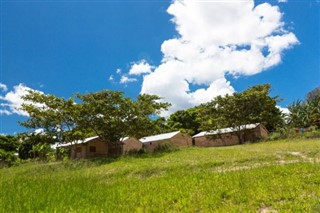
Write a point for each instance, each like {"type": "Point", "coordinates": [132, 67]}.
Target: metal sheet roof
{"type": "Point", "coordinates": [159, 137]}
{"type": "Point", "coordinates": [86, 140]}
{"type": "Point", "coordinates": [77, 142]}
{"type": "Point", "coordinates": [225, 130]}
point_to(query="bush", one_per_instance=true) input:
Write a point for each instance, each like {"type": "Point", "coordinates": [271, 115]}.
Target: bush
{"type": "Point", "coordinates": [63, 153]}
{"type": "Point", "coordinates": [7, 158]}
{"type": "Point", "coordinates": [166, 146]}
{"type": "Point", "coordinates": [311, 132]}
{"type": "Point", "coordinates": [136, 152]}
{"type": "Point", "coordinates": [275, 136]}
{"type": "Point", "coordinates": [302, 133]}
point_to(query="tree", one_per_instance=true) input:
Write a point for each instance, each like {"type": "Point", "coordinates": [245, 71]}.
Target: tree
{"type": "Point", "coordinates": [8, 146]}
{"type": "Point", "coordinates": [304, 114]}
{"type": "Point", "coordinates": [159, 126]}
{"type": "Point", "coordinates": [36, 144]}
{"type": "Point", "coordinates": [253, 105]}
{"type": "Point", "coordinates": [107, 114]}
{"type": "Point", "coordinates": [9, 143]}
{"type": "Point", "coordinates": [56, 116]}
{"type": "Point", "coordinates": [185, 120]}
{"type": "Point", "coordinates": [112, 117]}
{"type": "Point", "coordinates": [147, 121]}
{"type": "Point", "coordinates": [313, 94]}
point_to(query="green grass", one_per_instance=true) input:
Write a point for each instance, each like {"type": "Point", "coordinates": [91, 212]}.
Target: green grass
{"type": "Point", "coordinates": [282, 175]}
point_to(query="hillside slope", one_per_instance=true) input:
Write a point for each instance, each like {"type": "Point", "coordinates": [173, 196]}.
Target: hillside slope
{"type": "Point", "coordinates": [281, 176]}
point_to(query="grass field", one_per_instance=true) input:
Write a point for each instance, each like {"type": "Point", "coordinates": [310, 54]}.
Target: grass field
{"type": "Point", "coordinates": [279, 176]}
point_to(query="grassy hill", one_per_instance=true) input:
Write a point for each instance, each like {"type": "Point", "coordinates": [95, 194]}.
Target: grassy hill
{"type": "Point", "coordinates": [280, 176]}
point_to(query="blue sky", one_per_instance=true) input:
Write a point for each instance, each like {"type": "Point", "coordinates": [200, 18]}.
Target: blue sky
{"type": "Point", "coordinates": [209, 48]}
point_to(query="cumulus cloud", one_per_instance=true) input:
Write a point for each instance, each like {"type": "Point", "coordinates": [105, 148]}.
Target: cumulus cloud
{"type": "Point", "coordinates": [125, 79]}
{"type": "Point", "coordinates": [111, 78]}
{"type": "Point", "coordinates": [118, 71]}
{"type": "Point", "coordinates": [216, 38]}
{"type": "Point", "coordinates": [282, 1]}
{"type": "Point", "coordinates": [11, 102]}
{"type": "Point", "coordinates": [140, 67]}
{"type": "Point", "coordinates": [3, 87]}
{"type": "Point", "coordinates": [284, 110]}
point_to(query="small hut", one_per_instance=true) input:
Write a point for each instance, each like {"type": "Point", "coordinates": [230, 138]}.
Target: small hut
{"type": "Point", "coordinates": [95, 147]}
{"type": "Point", "coordinates": [176, 139]}
{"type": "Point", "coordinates": [228, 136]}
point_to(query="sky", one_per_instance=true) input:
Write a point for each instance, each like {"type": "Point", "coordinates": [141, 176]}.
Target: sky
{"type": "Point", "coordinates": [186, 51]}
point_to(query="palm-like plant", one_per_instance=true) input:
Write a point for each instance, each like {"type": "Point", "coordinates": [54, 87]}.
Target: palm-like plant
{"type": "Point", "coordinates": [305, 114]}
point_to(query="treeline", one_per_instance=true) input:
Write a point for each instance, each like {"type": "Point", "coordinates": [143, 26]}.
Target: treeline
{"type": "Point", "coordinates": [112, 116]}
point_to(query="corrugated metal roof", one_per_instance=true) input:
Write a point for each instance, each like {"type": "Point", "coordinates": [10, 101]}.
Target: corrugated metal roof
{"type": "Point", "coordinates": [77, 142]}
{"type": "Point", "coordinates": [159, 137]}
{"type": "Point", "coordinates": [225, 130]}
{"type": "Point", "coordinates": [86, 140]}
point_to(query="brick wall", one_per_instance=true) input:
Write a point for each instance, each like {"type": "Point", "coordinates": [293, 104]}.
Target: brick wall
{"type": "Point", "coordinates": [131, 144]}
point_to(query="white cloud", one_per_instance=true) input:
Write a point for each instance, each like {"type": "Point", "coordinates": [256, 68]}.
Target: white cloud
{"type": "Point", "coordinates": [140, 67]}
{"type": "Point", "coordinates": [216, 38]}
{"type": "Point", "coordinates": [125, 79]}
{"type": "Point", "coordinates": [3, 87]}
{"type": "Point", "coordinates": [111, 78]}
{"type": "Point", "coordinates": [284, 110]}
{"type": "Point", "coordinates": [12, 101]}
{"type": "Point", "coordinates": [5, 112]}
{"type": "Point", "coordinates": [118, 71]}
{"type": "Point", "coordinates": [282, 1]}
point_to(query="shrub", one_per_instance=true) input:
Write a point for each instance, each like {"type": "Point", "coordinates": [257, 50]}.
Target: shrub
{"type": "Point", "coordinates": [165, 146]}
{"type": "Point", "coordinates": [275, 136]}
{"type": "Point", "coordinates": [136, 152]}
{"type": "Point", "coordinates": [7, 158]}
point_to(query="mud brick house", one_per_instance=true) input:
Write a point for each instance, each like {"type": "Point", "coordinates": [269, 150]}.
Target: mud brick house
{"type": "Point", "coordinates": [176, 139]}
{"type": "Point", "coordinates": [228, 136]}
{"type": "Point", "coordinates": [95, 147]}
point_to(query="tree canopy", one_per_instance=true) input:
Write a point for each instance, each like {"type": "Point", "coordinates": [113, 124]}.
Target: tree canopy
{"type": "Point", "coordinates": [313, 94]}
{"type": "Point", "coordinates": [9, 143]}
{"type": "Point", "coordinates": [306, 113]}
{"type": "Point", "coordinates": [106, 113]}
{"type": "Point", "coordinates": [253, 105]}
{"type": "Point", "coordinates": [186, 121]}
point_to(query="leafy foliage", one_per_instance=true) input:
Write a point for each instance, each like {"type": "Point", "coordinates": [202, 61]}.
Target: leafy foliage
{"type": "Point", "coordinates": [9, 143]}
{"type": "Point", "coordinates": [305, 114]}
{"type": "Point", "coordinates": [8, 146]}
{"type": "Point", "coordinates": [185, 120]}
{"type": "Point", "coordinates": [57, 116]}
{"type": "Point", "coordinates": [35, 145]}
{"type": "Point", "coordinates": [254, 105]}
{"type": "Point", "coordinates": [314, 94]}
{"type": "Point", "coordinates": [106, 113]}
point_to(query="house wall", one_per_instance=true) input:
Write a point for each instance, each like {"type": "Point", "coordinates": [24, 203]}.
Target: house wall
{"type": "Point", "coordinates": [181, 140]}
{"type": "Point", "coordinates": [101, 149]}
{"type": "Point", "coordinates": [260, 132]}
{"type": "Point", "coordinates": [211, 141]}
{"type": "Point", "coordinates": [131, 144]}
{"type": "Point", "coordinates": [151, 146]}
{"type": "Point", "coordinates": [263, 132]}
{"type": "Point", "coordinates": [178, 140]}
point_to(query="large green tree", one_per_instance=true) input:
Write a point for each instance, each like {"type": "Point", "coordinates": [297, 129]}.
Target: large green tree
{"type": "Point", "coordinates": [304, 114]}
{"type": "Point", "coordinates": [112, 116]}
{"type": "Point", "coordinates": [313, 94]}
{"type": "Point", "coordinates": [107, 114]}
{"type": "Point", "coordinates": [253, 105]}
{"type": "Point", "coordinates": [186, 121]}
{"type": "Point", "coordinates": [56, 116]}
{"type": "Point", "coordinates": [9, 143]}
